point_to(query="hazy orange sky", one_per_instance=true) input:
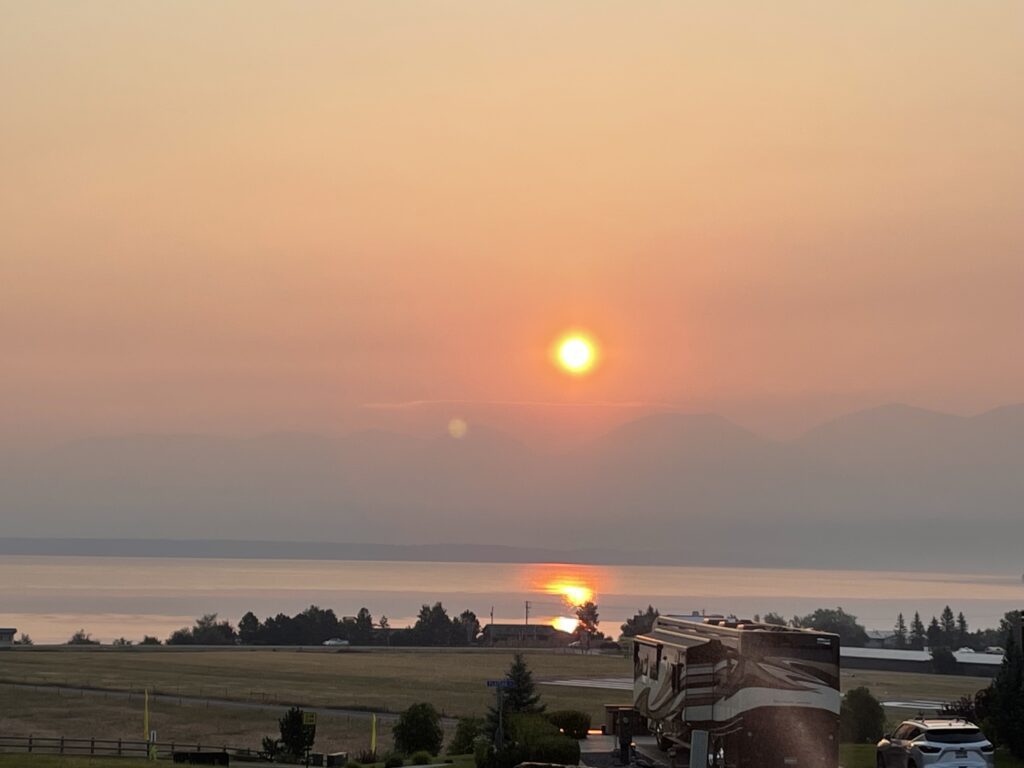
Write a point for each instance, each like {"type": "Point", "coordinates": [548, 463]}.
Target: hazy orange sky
{"type": "Point", "coordinates": [252, 216]}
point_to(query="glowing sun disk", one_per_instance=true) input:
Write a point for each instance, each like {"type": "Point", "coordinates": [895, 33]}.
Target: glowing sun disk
{"type": "Point", "coordinates": [565, 623]}
{"type": "Point", "coordinates": [575, 353]}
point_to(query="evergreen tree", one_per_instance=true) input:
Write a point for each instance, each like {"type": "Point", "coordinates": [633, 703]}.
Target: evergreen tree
{"type": "Point", "coordinates": [296, 737]}
{"type": "Point", "coordinates": [521, 698]}
{"type": "Point", "coordinates": [901, 632]}
{"type": "Point", "coordinates": [1007, 711]}
{"type": "Point", "coordinates": [962, 631]}
{"type": "Point", "coordinates": [934, 633]}
{"type": "Point", "coordinates": [775, 619]}
{"type": "Point", "coordinates": [917, 633]}
{"type": "Point", "coordinates": [948, 622]}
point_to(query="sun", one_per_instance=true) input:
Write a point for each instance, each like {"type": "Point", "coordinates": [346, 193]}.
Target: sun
{"type": "Point", "coordinates": [576, 353]}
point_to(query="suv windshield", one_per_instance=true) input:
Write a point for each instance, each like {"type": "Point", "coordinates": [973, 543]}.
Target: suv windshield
{"type": "Point", "coordinates": [954, 736]}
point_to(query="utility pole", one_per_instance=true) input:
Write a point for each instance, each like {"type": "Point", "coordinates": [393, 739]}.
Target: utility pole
{"type": "Point", "coordinates": [527, 611]}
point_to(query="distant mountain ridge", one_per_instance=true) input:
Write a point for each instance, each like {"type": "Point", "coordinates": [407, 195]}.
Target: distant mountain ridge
{"type": "Point", "coordinates": [893, 486]}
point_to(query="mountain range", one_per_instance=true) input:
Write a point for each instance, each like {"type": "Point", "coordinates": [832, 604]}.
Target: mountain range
{"type": "Point", "coordinates": [894, 487]}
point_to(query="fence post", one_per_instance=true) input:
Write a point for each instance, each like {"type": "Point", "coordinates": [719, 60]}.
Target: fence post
{"type": "Point", "coordinates": [119, 747]}
{"type": "Point", "coordinates": [92, 746]}
{"type": "Point", "coordinates": [30, 742]}
{"type": "Point", "coordinates": [62, 745]}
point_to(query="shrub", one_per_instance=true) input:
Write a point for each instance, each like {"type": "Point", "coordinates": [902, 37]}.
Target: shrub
{"type": "Point", "coordinates": [571, 722]}
{"type": "Point", "coordinates": [861, 717]}
{"type": "Point", "coordinates": [296, 738]}
{"type": "Point", "coordinates": [534, 739]}
{"type": "Point", "coordinates": [466, 732]}
{"type": "Point", "coordinates": [393, 760]}
{"type": "Point", "coordinates": [483, 752]}
{"type": "Point", "coordinates": [421, 758]}
{"type": "Point", "coordinates": [367, 757]}
{"type": "Point", "coordinates": [555, 749]}
{"type": "Point", "coordinates": [419, 729]}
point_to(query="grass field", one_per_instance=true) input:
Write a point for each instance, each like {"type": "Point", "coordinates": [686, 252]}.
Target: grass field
{"type": "Point", "coordinates": [385, 681]}
{"type": "Point", "coordinates": [45, 714]}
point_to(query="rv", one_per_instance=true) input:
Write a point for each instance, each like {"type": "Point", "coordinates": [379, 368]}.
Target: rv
{"type": "Point", "coordinates": [765, 695]}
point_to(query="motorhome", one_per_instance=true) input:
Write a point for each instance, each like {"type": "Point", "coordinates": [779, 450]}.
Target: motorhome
{"type": "Point", "coordinates": [765, 695]}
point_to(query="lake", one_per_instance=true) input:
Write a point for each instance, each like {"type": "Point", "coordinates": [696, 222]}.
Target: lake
{"type": "Point", "coordinates": [52, 597]}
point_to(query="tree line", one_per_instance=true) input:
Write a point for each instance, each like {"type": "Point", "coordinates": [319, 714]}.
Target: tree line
{"type": "Point", "coordinates": [315, 625]}
{"type": "Point", "coordinates": [948, 630]}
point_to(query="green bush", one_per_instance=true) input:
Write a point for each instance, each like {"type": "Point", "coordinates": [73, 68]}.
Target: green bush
{"type": "Point", "coordinates": [861, 717]}
{"type": "Point", "coordinates": [419, 730]}
{"type": "Point", "coordinates": [466, 732]}
{"type": "Point", "coordinates": [532, 739]}
{"type": "Point", "coordinates": [421, 758]}
{"type": "Point", "coordinates": [483, 752]}
{"type": "Point", "coordinates": [393, 760]}
{"type": "Point", "coordinates": [555, 749]}
{"type": "Point", "coordinates": [526, 729]}
{"type": "Point", "coordinates": [571, 722]}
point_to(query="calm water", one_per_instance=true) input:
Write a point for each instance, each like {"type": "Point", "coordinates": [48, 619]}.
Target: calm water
{"type": "Point", "coordinates": [51, 597]}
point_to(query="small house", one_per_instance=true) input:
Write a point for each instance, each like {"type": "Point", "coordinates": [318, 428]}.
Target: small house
{"type": "Point", "coordinates": [7, 637]}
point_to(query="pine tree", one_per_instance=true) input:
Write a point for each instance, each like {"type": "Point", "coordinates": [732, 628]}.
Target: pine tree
{"type": "Point", "coordinates": [934, 633]}
{"type": "Point", "coordinates": [901, 632]}
{"type": "Point", "coordinates": [917, 632]}
{"type": "Point", "coordinates": [948, 622]}
{"type": "Point", "coordinates": [1008, 699]}
{"type": "Point", "coordinates": [961, 629]}
{"type": "Point", "coordinates": [521, 698]}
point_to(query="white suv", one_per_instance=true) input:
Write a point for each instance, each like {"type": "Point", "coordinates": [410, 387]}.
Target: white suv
{"type": "Point", "coordinates": [947, 741]}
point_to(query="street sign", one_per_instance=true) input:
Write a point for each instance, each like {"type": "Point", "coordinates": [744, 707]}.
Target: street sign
{"type": "Point", "coordinates": [503, 683]}
{"type": "Point", "coordinates": [309, 718]}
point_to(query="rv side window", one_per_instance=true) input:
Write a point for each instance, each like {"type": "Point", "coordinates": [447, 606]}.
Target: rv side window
{"type": "Point", "coordinates": [677, 677]}
{"type": "Point", "coordinates": [656, 663]}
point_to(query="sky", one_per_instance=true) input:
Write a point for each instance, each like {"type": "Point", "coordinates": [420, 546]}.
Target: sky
{"type": "Point", "coordinates": [246, 217]}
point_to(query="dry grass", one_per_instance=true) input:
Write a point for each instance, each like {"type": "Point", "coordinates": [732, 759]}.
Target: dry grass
{"type": "Point", "coordinates": [44, 713]}
{"type": "Point", "coordinates": [896, 686]}
{"type": "Point", "coordinates": [384, 681]}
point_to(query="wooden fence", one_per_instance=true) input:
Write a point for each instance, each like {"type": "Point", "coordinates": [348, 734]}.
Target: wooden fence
{"type": "Point", "coordinates": [60, 745]}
